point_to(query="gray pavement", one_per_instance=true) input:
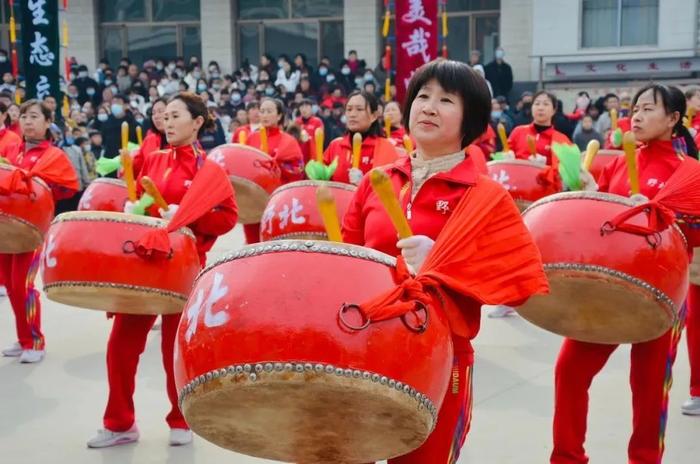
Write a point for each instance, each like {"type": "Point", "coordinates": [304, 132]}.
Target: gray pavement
{"type": "Point", "coordinates": [48, 411]}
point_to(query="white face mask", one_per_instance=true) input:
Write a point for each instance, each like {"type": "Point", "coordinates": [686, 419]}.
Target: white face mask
{"type": "Point", "coordinates": [102, 117]}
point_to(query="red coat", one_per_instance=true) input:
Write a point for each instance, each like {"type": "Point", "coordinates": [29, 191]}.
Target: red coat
{"type": "Point", "coordinates": [376, 151]}
{"type": "Point", "coordinates": [543, 141]}
{"type": "Point", "coordinates": [285, 150]}
{"type": "Point", "coordinates": [8, 138]}
{"type": "Point", "coordinates": [487, 141]}
{"type": "Point", "coordinates": [153, 141]}
{"type": "Point", "coordinates": [235, 138]}
{"type": "Point", "coordinates": [16, 155]}
{"type": "Point", "coordinates": [172, 171]}
{"type": "Point", "coordinates": [309, 127]}
{"type": "Point", "coordinates": [16, 128]}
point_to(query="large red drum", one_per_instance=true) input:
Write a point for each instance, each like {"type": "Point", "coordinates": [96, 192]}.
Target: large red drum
{"type": "Point", "coordinates": [292, 212]}
{"type": "Point", "coordinates": [90, 263]}
{"type": "Point", "coordinates": [602, 159]}
{"type": "Point", "coordinates": [605, 286]}
{"type": "Point", "coordinates": [104, 195]}
{"type": "Point", "coordinates": [272, 359]}
{"type": "Point", "coordinates": [254, 176]}
{"type": "Point", "coordinates": [519, 177]}
{"type": "Point", "coordinates": [24, 219]}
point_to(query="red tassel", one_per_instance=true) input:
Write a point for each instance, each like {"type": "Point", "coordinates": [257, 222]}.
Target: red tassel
{"type": "Point", "coordinates": [444, 51]}
{"type": "Point", "coordinates": [15, 63]}
{"type": "Point", "coordinates": [154, 244]}
{"type": "Point", "coordinates": [387, 58]}
{"type": "Point", "coordinates": [67, 64]}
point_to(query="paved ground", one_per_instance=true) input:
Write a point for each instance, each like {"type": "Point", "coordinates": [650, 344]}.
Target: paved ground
{"type": "Point", "coordinates": [48, 411]}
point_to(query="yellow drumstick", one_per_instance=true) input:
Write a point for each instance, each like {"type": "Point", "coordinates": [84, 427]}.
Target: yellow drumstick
{"type": "Point", "coordinates": [329, 213]}
{"type": "Point", "coordinates": [243, 137]}
{"type": "Point", "coordinates": [125, 135]}
{"type": "Point", "coordinates": [689, 115]}
{"type": "Point", "coordinates": [139, 135]}
{"type": "Point", "coordinates": [591, 150]}
{"type": "Point", "coordinates": [613, 119]}
{"type": "Point", "coordinates": [128, 173]}
{"type": "Point", "coordinates": [318, 137]}
{"type": "Point", "coordinates": [382, 187]}
{"type": "Point", "coordinates": [153, 191]}
{"type": "Point", "coordinates": [263, 141]}
{"type": "Point", "coordinates": [387, 89]}
{"type": "Point", "coordinates": [387, 127]}
{"type": "Point", "coordinates": [356, 149]}
{"type": "Point", "coordinates": [531, 145]}
{"type": "Point", "coordinates": [502, 135]}
{"type": "Point", "coordinates": [408, 144]}
{"type": "Point", "coordinates": [629, 145]}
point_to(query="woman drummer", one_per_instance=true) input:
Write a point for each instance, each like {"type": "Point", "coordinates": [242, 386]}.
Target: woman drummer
{"type": "Point", "coordinates": [7, 136]}
{"type": "Point", "coordinates": [19, 270]}
{"type": "Point", "coordinates": [155, 138]}
{"type": "Point", "coordinates": [447, 107]}
{"type": "Point", "coordinates": [172, 170]}
{"type": "Point", "coordinates": [656, 120]}
{"type": "Point", "coordinates": [361, 111]}
{"type": "Point", "coordinates": [544, 106]}
{"type": "Point", "coordinates": [282, 147]}
{"type": "Point", "coordinates": [392, 113]}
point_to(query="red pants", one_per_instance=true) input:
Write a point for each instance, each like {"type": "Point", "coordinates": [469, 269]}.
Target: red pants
{"type": "Point", "coordinates": [252, 233]}
{"type": "Point", "coordinates": [18, 273]}
{"type": "Point", "coordinates": [577, 365]}
{"type": "Point", "coordinates": [126, 343]}
{"type": "Point", "coordinates": [692, 325]}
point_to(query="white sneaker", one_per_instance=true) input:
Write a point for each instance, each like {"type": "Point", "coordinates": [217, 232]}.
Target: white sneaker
{"type": "Point", "coordinates": [3, 291]}
{"type": "Point", "coordinates": [31, 356]}
{"type": "Point", "coordinates": [691, 407]}
{"type": "Point", "coordinates": [501, 311]}
{"type": "Point", "coordinates": [13, 351]}
{"type": "Point", "coordinates": [106, 438]}
{"type": "Point", "coordinates": [179, 437]}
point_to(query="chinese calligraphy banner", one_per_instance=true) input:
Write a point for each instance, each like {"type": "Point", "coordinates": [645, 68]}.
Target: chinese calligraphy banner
{"type": "Point", "coordinates": [416, 39]}
{"type": "Point", "coordinates": [40, 45]}
{"type": "Point", "coordinates": [644, 68]}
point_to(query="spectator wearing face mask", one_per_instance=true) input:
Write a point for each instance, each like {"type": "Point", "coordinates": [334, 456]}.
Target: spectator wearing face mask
{"type": "Point", "coordinates": [287, 76]}
{"type": "Point", "coordinates": [193, 76]}
{"type": "Point", "coordinates": [346, 78]}
{"type": "Point", "coordinates": [88, 88]}
{"type": "Point", "coordinates": [356, 65]}
{"type": "Point", "coordinates": [499, 74]}
{"type": "Point", "coordinates": [319, 78]}
{"type": "Point", "coordinates": [586, 133]}
{"type": "Point", "coordinates": [253, 125]}
{"type": "Point", "coordinates": [124, 81]}
{"type": "Point", "coordinates": [96, 144]}
{"type": "Point", "coordinates": [112, 128]}
{"type": "Point", "coordinates": [8, 83]}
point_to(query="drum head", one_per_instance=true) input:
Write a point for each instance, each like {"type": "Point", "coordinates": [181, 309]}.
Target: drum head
{"type": "Point", "coordinates": [597, 307]}
{"type": "Point", "coordinates": [115, 298]}
{"type": "Point", "coordinates": [17, 235]}
{"type": "Point", "coordinates": [314, 416]}
{"type": "Point", "coordinates": [695, 267]}
{"type": "Point", "coordinates": [251, 200]}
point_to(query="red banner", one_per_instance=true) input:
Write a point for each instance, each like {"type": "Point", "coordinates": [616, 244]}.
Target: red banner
{"type": "Point", "coordinates": [416, 39]}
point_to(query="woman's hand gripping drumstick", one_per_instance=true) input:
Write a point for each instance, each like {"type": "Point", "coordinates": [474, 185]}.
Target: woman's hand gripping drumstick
{"type": "Point", "coordinates": [329, 213]}
{"type": "Point", "coordinates": [355, 174]}
{"type": "Point", "coordinates": [382, 187]}
{"type": "Point", "coordinates": [629, 145]}
{"type": "Point", "coordinates": [166, 211]}
{"type": "Point", "coordinates": [127, 164]}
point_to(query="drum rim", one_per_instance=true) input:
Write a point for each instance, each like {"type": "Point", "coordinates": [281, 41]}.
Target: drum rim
{"type": "Point", "coordinates": [516, 162]}
{"type": "Point", "coordinates": [315, 183]}
{"type": "Point", "coordinates": [39, 180]}
{"type": "Point", "coordinates": [108, 180]}
{"type": "Point", "coordinates": [95, 284]}
{"type": "Point", "coordinates": [304, 246]}
{"type": "Point", "coordinates": [22, 221]}
{"type": "Point", "coordinates": [121, 218]}
{"type": "Point", "coordinates": [253, 372]}
{"type": "Point", "coordinates": [245, 147]}
{"type": "Point", "coordinates": [320, 236]}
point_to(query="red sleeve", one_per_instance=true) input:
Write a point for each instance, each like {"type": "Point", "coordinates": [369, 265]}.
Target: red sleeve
{"type": "Point", "coordinates": [606, 176]}
{"type": "Point", "coordinates": [332, 151]}
{"type": "Point", "coordinates": [290, 158]}
{"type": "Point", "coordinates": [353, 222]}
{"type": "Point", "coordinates": [518, 143]}
{"type": "Point", "coordinates": [218, 221]}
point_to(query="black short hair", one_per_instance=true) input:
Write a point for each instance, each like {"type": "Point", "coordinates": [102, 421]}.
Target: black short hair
{"type": "Point", "coordinates": [459, 78]}
{"type": "Point", "coordinates": [549, 95]}
{"type": "Point", "coordinates": [306, 101]}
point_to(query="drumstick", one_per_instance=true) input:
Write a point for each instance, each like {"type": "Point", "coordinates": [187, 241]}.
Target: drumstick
{"type": "Point", "coordinates": [356, 149]}
{"type": "Point", "coordinates": [531, 145]}
{"type": "Point", "coordinates": [502, 135]}
{"type": "Point", "coordinates": [591, 150]}
{"type": "Point", "coordinates": [629, 145]}
{"type": "Point", "coordinates": [263, 140]}
{"type": "Point", "coordinates": [613, 119]}
{"type": "Point", "coordinates": [408, 144]}
{"type": "Point", "coordinates": [689, 115]}
{"type": "Point", "coordinates": [139, 135]}
{"type": "Point", "coordinates": [329, 213]}
{"type": "Point", "coordinates": [382, 187]}
{"type": "Point", "coordinates": [318, 137]}
{"type": "Point", "coordinates": [125, 135]}
{"type": "Point", "coordinates": [387, 127]}
{"type": "Point", "coordinates": [153, 191]}
{"type": "Point", "coordinates": [243, 137]}
{"type": "Point", "coordinates": [128, 173]}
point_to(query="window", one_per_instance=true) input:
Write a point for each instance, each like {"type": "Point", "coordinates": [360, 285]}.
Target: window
{"type": "Point", "coordinates": [613, 23]}
{"type": "Point", "coordinates": [292, 37]}
{"type": "Point", "coordinates": [473, 5]}
{"type": "Point", "coordinates": [144, 29]}
{"type": "Point", "coordinates": [316, 8]}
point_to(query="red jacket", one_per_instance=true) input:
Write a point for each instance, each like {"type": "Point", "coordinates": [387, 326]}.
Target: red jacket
{"type": "Point", "coordinates": [153, 141]}
{"type": "Point", "coordinates": [8, 138]}
{"type": "Point", "coordinates": [487, 141]}
{"type": "Point", "coordinates": [172, 171]}
{"type": "Point", "coordinates": [543, 141]}
{"type": "Point", "coordinates": [376, 151]}
{"type": "Point", "coordinates": [16, 155]}
{"type": "Point", "coordinates": [16, 128]}
{"type": "Point", "coordinates": [309, 126]}
{"type": "Point", "coordinates": [366, 222]}
{"type": "Point", "coordinates": [235, 138]}
{"type": "Point", "coordinates": [285, 150]}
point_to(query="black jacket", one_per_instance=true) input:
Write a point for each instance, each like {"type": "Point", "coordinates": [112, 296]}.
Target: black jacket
{"type": "Point", "coordinates": [500, 75]}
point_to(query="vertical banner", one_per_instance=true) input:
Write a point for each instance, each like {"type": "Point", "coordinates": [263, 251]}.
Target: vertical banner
{"type": "Point", "coordinates": [416, 39]}
{"type": "Point", "coordinates": [41, 48]}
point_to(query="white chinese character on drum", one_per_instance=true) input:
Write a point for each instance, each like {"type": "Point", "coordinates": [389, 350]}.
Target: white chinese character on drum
{"type": "Point", "coordinates": [215, 293]}
{"type": "Point", "coordinates": [503, 178]}
{"type": "Point", "coordinates": [284, 215]}
{"type": "Point", "coordinates": [48, 250]}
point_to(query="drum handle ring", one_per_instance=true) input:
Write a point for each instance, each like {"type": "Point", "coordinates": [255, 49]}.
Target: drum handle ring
{"type": "Point", "coordinates": [129, 247]}
{"type": "Point", "coordinates": [419, 307]}
{"type": "Point", "coordinates": [656, 240]}
{"type": "Point", "coordinates": [606, 228]}
{"type": "Point", "coordinates": [341, 317]}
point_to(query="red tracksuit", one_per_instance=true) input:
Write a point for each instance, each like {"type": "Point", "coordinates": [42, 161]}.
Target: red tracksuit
{"type": "Point", "coordinates": [172, 171]}
{"type": "Point", "coordinates": [487, 141]}
{"type": "Point", "coordinates": [692, 325]}
{"type": "Point", "coordinates": [543, 141]}
{"type": "Point", "coordinates": [18, 271]}
{"type": "Point", "coordinates": [153, 141]}
{"type": "Point", "coordinates": [651, 361]}
{"type": "Point", "coordinates": [309, 127]}
{"type": "Point", "coordinates": [376, 151]}
{"type": "Point", "coordinates": [366, 223]}
{"type": "Point", "coordinates": [248, 129]}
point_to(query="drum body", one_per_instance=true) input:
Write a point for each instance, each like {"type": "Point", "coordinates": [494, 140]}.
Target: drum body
{"type": "Point", "coordinates": [90, 263]}
{"type": "Point", "coordinates": [24, 218]}
{"type": "Point", "coordinates": [254, 176]}
{"type": "Point", "coordinates": [602, 159]}
{"type": "Point", "coordinates": [104, 194]}
{"type": "Point", "coordinates": [519, 177]}
{"type": "Point", "coordinates": [266, 364]}
{"type": "Point", "coordinates": [605, 287]}
{"type": "Point", "coordinates": [292, 212]}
